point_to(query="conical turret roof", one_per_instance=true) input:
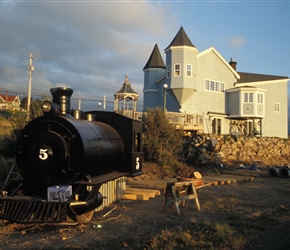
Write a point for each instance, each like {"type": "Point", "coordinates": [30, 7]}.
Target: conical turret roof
{"type": "Point", "coordinates": [181, 39]}
{"type": "Point", "coordinates": [155, 60]}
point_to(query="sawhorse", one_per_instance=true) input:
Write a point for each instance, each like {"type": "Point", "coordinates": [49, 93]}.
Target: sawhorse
{"type": "Point", "coordinates": [181, 192]}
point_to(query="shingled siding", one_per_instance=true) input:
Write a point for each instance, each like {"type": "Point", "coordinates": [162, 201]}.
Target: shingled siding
{"type": "Point", "coordinates": [236, 150]}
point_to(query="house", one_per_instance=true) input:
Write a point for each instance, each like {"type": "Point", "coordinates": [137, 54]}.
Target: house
{"type": "Point", "coordinates": [9, 102]}
{"type": "Point", "coordinates": [219, 99]}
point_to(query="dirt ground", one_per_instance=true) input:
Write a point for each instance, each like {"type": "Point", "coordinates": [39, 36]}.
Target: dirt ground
{"type": "Point", "coordinates": [257, 211]}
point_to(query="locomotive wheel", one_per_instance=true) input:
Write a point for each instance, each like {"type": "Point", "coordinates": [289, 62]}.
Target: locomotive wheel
{"type": "Point", "coordinates": [85, 218]}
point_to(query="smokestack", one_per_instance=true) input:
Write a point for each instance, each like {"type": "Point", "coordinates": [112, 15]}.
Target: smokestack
{"type": "Point", "coordinates": [233, 63]}
{"type": "Point", "coordinates": [62, 96]}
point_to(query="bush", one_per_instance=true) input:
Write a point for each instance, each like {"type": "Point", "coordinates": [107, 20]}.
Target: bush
{"type": "Point", "coordinates": [162, 141]}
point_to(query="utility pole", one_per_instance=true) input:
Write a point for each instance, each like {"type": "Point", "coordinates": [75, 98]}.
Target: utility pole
{"type": "Point", "coordinates": [104, 102]}
{"type": "Point", "coordinates": [31, 68]}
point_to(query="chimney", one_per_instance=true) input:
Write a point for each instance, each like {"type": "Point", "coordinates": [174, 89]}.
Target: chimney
{"type": "Point", "coordinates": [233, 63]}
{"type": "Point", "coordinates": [6, 96]}
{"type": "Point", "coordinates": [62, 96]}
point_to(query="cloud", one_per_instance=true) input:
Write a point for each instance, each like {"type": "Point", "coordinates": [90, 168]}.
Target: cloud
{"type": "Point", "coordinates": [237, 42]}
{"type": "Point", "coordinates": [89, 46]}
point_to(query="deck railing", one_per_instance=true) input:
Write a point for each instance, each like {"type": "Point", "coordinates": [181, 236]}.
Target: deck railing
{"type": "Point", "coordinates": [184, 121]}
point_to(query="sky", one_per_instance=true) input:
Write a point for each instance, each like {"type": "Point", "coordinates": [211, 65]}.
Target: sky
{"type": "Point", "coordinates": [90, 46]}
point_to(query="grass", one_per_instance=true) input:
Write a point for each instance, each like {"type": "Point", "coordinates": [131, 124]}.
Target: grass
{"type": "Point", "coordinates": [6, 113]}
{"type": "Point", "coordinates": [235, 220]}
{"type": "Point", "coordinates": [200, 236]}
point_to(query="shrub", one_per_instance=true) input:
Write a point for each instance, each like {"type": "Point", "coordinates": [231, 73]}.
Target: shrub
{"type": "Point", "coordinates": [162, 140]}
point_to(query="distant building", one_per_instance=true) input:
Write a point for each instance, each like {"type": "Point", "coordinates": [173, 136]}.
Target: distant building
{"type": "Point", "coordinates": [9, 102]}
{"type": "Point", "coordinates": [204, 83]}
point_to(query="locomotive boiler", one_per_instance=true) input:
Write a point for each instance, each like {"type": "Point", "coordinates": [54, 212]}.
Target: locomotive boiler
{"type": "Point", "coordinates": [63, 158]}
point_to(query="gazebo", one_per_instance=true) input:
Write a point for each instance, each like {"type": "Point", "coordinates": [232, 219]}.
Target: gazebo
{"type": "Point", "coordinates": [126, 98]}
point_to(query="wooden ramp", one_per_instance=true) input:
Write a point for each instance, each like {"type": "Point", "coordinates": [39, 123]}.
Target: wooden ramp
{"type": "Point", "coordinates": [146, 189]}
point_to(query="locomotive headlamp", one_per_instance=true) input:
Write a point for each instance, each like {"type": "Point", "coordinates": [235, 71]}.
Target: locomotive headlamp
{"type": "Point", "coordinates": [46, 107]}
{"type": "Point", "coordinates": [50, 108]}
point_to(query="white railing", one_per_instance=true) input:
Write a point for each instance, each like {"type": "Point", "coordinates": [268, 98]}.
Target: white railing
{"type": "Point", "coordinates": [182, 121]}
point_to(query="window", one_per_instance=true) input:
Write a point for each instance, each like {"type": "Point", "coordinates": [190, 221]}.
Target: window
{"type": "Point", "coordinates": [217, 86]}
{"type": "Point", "coordinates": [188, 70]}
{"type": "Point", "coordinates": [206, 84]}
{"type": "Point", "coordinates": [168, 71]}
{"type": "Point", "coordinates": [277, 107]}
{"type": "Point", "coordinates": [248, 97]}
{"type": "Point", "coordinates": [251, 97]}
{"type": "Point", "coordinates": [222, 87]}
{"type": "Point", "coordinates": [214, 86]}
{"type": "Point", "coordinates": [260, 98]}
{"type": "Point", "coordinates": [177, 69]}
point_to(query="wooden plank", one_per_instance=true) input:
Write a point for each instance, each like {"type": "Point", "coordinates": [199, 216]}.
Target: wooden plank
{"type": "Point", "coordinates": [246, 173]}
{"type": "Point", "coordinates": [150, 194]}
{"type": "Point", "coordinates": [227, 179]}
{"type": "Point", "coordinates": [141, 197]}
{"type": "Point", "coordinates": [214, 180]}
{"type": "Point", "coordinates": [148, 184]}
{"type": "Point", "coordinates": [155, 191]}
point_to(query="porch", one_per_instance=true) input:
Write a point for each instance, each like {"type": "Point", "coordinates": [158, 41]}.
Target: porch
{"type": "Point", "coordinates": [187, 122]}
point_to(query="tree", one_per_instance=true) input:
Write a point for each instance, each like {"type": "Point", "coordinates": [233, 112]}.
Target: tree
{"type": "Point", "coordinates": [162, 141]}
{"type": "Point", "coordinates": [18, 122]}
{"type": "Point", "coordinates": [35, 109]}
{"type": "Point", "coordinates": [35, 106]}
{"type": "Point", "coordinates": [23, 103]}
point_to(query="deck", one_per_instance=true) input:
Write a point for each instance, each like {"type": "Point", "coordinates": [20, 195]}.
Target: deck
{"type": "Point", "coordinates": [183, 121]}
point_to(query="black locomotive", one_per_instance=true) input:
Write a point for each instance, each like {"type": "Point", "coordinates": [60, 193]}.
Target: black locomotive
{"type": "Point", "coordinates": [64, 157]}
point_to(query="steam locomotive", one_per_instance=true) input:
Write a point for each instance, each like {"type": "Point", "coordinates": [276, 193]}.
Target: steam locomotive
{"type": "Point", "coordinates": [63, 158]}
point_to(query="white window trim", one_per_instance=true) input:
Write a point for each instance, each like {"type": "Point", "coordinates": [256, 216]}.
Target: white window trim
{"type": "Point", "coordinates": [260, 98]}
{"type": "Point", "coordinates": [206, 84]}
{"type": "Point", "coordinates": [248, 97]}
{"type": "Point", "coordinates": [189, 70]}
{"type": "Point", "coordinates": [214, 86]}
{"type": "Point", "coordinates": [179, 70]}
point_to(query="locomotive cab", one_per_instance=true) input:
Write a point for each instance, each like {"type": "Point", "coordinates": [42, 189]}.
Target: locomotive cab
{"type": "Point", "coordinates": [65, 157]}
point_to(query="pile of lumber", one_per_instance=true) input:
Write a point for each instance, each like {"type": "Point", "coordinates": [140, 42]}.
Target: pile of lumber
{"type": "Point", "coordinates": [140, 193]}
{"type": "Point", "coordinates": [146, 189]}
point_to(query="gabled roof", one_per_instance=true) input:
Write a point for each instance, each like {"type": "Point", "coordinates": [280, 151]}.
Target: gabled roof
{"type": "Point", "coordinates": [213, 50]}
{"type": "Point", "coordinates": [10, 98]}
{"type": "Point", "coordinates": [155, 60]}
{"type": "Point", "coordinates": [181, 39]}
{"type": "Point", "coordinates": [250, 77]}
